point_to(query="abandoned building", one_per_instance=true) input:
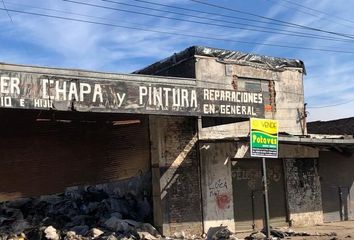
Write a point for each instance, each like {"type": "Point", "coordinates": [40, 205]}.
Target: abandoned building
{"type": "Point", "coordinates": [335, 168]}
{"type": "Point", "coordinates": [174, 135]}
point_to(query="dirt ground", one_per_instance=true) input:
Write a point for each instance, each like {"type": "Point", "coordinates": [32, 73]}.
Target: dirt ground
{"type": "Point", "coordinates": [325, 231]}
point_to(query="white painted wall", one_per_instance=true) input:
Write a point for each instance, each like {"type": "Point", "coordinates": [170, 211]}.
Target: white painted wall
{"type": "Point", "coordinates": [217, 184]}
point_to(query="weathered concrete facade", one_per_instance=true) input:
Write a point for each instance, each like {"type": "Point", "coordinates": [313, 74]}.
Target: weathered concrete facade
{"type": "Point", "coordinates": [284, 97]}
{"type": "Point", "coordinates": [296, 174]}
{"type": "Point", "coordinates": [299, 174]}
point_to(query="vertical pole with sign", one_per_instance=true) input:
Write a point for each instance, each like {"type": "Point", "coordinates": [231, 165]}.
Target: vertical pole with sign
{"type": "Point", "coordinates": [264, 144]}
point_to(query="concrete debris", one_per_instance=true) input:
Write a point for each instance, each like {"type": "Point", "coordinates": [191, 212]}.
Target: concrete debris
{"type": "Point", "coordinates": [117, 215]}
{"type": "Point", "coordinates": [95, 233]}
{"type": "Point", "coordinates": [19, 226]}
{"type": "Point", "coordinates": [51, 233]}
{"type": "Point", "coordinates": [287, 233]}
{"type": "Point", "coordinates": [146, 236]}
{"type": "Point", "coordinates": [256, 236]}
{"type": "Point", "coordinates": [218, 233]}
{"type": "Point", "coordinates": [79, 214]}
{"type": "Point", "coordinates": [116, 224]}
{"type": "Point", "coordinates": [80, 230]}
{"type": "Point", "coordinates": [71, 235]}
{"type": "Point", "coordinates": [233, 237]}
{"type": "Point", "coordinates": [302, 234]}
{"type": "Point", "coordinates": [279, 234]}
{"type": "Point", "coordinates": [222, 234]}
{"type": "Point", "coordinates": [179, 235]}
{"type": "Point", "coordinates": [147, 227]}
{"type": "Point", "coordinates": [111, 237]}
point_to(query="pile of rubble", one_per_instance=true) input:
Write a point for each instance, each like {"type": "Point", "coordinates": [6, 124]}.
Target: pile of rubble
{"type": "Point", "coordinates": [220, 233]}
{"type": "Point", "coordinates": [286, 233]}
{"type": "Point", "coordinates": [88, 213]}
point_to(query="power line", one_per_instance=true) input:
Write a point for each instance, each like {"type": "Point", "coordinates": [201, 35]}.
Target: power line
{"type": "Point", "coordinates": [193, 16]}
{"type": "Point", "coordinates": [163, 32]}
{"type": "Point", "coordinates": [110, 19]}
{"type": "Point", "coordinates": [223, 21]}
{"type": "Point", "coordinates": [8, 14]}
{"type": "Point", "coordinates": [90, 16]}
{"type": "Point", "coordinates": [175, 33]}
{"type": "Point", "coordinates": [333, 105]}
{"type": "Point", "coordinates": [58, 11]}
{"type": "Point", "coordinates": [318, 11]}
{"type": "Point", "coordinates": [210, 24]}
{"type": "Point", "coordinates": [217, 14]}
{"type": "Point", "coordinates": [292, 8]}
{"type": "Point", "coordinates": [83, 15]}
{"type": "Point", "coordinates": [259, 16]}
{"type": "Point", "coordinates": [311, 14]}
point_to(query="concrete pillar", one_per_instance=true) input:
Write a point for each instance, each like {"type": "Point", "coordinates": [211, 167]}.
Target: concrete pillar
{"type": "Point", "coordinates": [217, 184]}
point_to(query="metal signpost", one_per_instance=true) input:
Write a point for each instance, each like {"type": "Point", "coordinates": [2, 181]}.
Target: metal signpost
{"type": "Point", "coordinates": [264, 144]}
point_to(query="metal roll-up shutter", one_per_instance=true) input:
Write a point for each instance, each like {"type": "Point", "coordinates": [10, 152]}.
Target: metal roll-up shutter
{"type": "Point", "coordinates": [248, 193]}
{"type": "Point", "coordinates": [44, 157]}
{"type": "Point", "coordinates": [337, 186]}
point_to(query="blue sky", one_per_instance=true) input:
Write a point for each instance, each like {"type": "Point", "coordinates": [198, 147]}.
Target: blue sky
{"type": "Point", "coordinates": [36, 40]}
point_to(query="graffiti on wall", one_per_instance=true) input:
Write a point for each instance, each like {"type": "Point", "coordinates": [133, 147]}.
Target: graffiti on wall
{"type": "Point", "coordinates": [223, 201]}
{"type": "Point", "coordinates": [254, 175]}
{"type": "Point", "coordinates": [302, 181]}
{"type": "Point", "coordinates": [219, 191]}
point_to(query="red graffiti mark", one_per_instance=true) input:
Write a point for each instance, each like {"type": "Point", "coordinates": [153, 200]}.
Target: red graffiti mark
{"type": "Point", "coordinates": [223, 201]}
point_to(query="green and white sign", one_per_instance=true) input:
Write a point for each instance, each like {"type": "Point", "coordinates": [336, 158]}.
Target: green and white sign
{"type": "Point", "coordinates": [264, 138]}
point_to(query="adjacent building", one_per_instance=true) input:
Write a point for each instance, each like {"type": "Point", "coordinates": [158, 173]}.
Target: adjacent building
{"type": "Point", "coordinates": [336, 164]}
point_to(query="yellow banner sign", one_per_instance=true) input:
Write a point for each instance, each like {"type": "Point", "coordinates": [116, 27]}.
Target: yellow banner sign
{"type": "Point", "coordinates": [264, 138]}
